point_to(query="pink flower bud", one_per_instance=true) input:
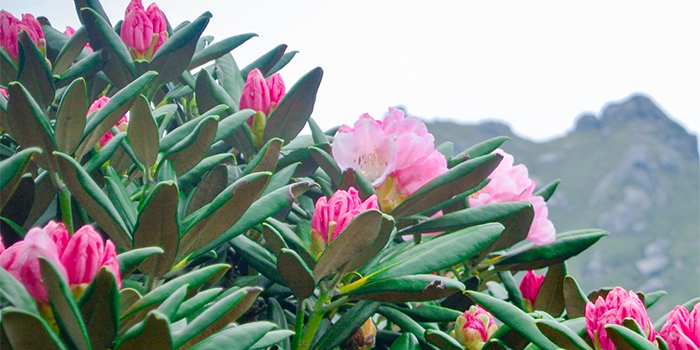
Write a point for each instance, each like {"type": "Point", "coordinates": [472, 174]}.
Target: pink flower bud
{"type": "Point", "coordinates": [255, 95]}
{"type": "Point", "coordinates": [332, 216]}
{"type": "Point", "coordinates": [21, 260]}
{"type": "Point", "coordinates": [617, 305]}
{"type": "Point", "coordinates": [134, 4]}
{"type": "Point", "coordinates": [160, 25]}
{"type": "Point", "coordinates": [2, 246]}
{"type": "Point", "coordinates": [33, 27]}
{"type": "Point", "coordinates": [109, 259]}
{"type": "Point", "coordinates": [474, 327]}
{"type": "Point", "coordinates": [682, 328]}
{"type": "Point", "coordinates": [59, 235]}
{"type": "Point", "coordinates": [9, 28]}
{"type": "Point", "coordinates": [83, 255]}
{"type": "Point", "coordinates": [3, 92]}
{"type": "Point", "coordinates": [122, 123]}
{"type": "Point", "coordinates": [137, 32]}
{"type": "Point", "coordinates": [530, 286]}
{"type": "Point", "coordinates": [277, 90]}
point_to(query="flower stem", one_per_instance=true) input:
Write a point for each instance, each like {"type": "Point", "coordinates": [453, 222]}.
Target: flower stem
{"type": "Point", "coordinates": [64, 201]}
{"type": "Point", "coordinates": [299, 324]}
{"type": "Point", "coordinates": [314, 321]}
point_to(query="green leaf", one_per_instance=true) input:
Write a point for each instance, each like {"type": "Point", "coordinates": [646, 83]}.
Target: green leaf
{"type": "Point", "coordinates": [328, 164]}
{"type": "Point", "coordinates": [26, 330]}
{"type": "Point", "coordinates": [357, 236]}
{"type": "Point", "coordinates": [480, 149]}
{"type": "Point", "coordinates": [218, 49]}
{"type": "Point", "coordinates": [86, 68]}
{"type": "Point", "coordinates": [119, 195]}
{"type": "Point", "coordinates": [191, 150]}
{"type": "Point", "coordinates": [95, 202]}
{"type": "Point", "coordinates": [290, 116]}
{"type": "Point", "coordinates": [533, 257]}
{"type": "Point", "coordinates": [70, 120]}
{"type": "Point", "coordinates": [550, 299]}
{"type": "Point", "coordinates": [143, 133]}
{"type": "Point", "coordinates": [8, 68]}
{"type": "Point", "coordinates": [514, 318]}
{"type": "Point", "coordinates": [11, 171]}
{"type": "Point", "coordinates": [120, 68]}
{"type": "Point", "coordinates": [131, 260]}
{"type": "Point", "coordinates": [404, 322]}
{"type": "Point", "coordinates": [266, 159]}
{"type": "Point", "coordinates": [209, 187]}
{"type": "Point", "coordinates": [157, 226]}
{"type": "Point", "coordinates": [211, 221]}
{"type": "Point", "coordinates": [347, 325]}
{"type": "Point", "coordinates": [231, 123]}
{"type": "Point", "coordinates": [651, 298]}
{"type": "Point", "coordinates": [216, 317]}
{"type": "Point", "coordinates": [155, 334]}
{"type": "Point", "coordinates": [547, 191]}
{"type": "Point", "coordinates": [241, 337]}
{"type": "Point", "coordinates": [351, 178]}
{"type": "Point", "coordinates": [34, 71]}
{"type": "Point", "coordinates": [15, 294]}
{"type": "Point", "coordinates": [99, 307]}
{"type": "Point", "coordinates": [627, 339]}
{"type": "Point", "coordinates": [386, 229]}
{"type": "Point", "coordinates": [574, 298]}
{"type": "Point", "coordinates": [210, 94]}
{"type": "Point", "coordinates": [175, 54]}
{"type": "Point", "coordinates": [229, 77]}
{"type": "Point", "coordinates": [430, 313]}
{"type": "Point", "coordinates": [276, 315]}
{"type": "Point", "coordinates": [316, 133]}
{"type": "Point", "coordinates": [281, 63]}
{"type": "Point", "coordinates": [102, 121]}
{"type": "Point", "coordinates": [561, 335]}
{"type": "Point", "coordinates": [29, 126]}
{"type": "Point", "coordinates": [196, 302]}
{"type": "Point", "coordinates": [514, 294]}
{"type": "Point", "coordinates": [72, 50]}
{"type": "Point", "coordinates": [442, 340]}
{"type": "Point", "coordinates": [456, 180]}
{"type": "Point", "coordinates": [272, 338]}
{"type": "Point", "coordinates": [265, 62]}
{"type": "Point", "coordinates": [65, 309]}
{"type": "Point", "coordinates": [407, 341]}
{"type": "Point", "coordinates": [295, 273]}
{"type": "Point", "coordinates": [44, 195]}
{"type": "Point", "coordinates": [414, 287]}
{"type": "Point", "coordinates": [175, 136]}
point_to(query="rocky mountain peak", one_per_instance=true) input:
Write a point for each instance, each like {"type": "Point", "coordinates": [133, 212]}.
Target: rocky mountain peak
{"type": "Point", "coordinates": [637, 107]}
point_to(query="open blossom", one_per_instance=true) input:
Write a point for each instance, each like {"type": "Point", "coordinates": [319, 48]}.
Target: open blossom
{"type": "Point", "coordinates": [474, 327]}
{"type": "Point", "coordinates": [529, 287]}
{"type": "Point", "coordinates": [682, 328]}
{"type": "Point", "coordinates": [397, 154]}
{"type": "Point", "coordinates": [77, 258]}
{"type": "Point", "coordinates": [509, 183]}
{"type": "Point", "coordinates": [332, 216]}
{"type": "Point", "coordinates": [617, 305]}
{"type": "Point", "coordinates": [121, 124]}
{"type": "Point", "coordinates": [10, 26]}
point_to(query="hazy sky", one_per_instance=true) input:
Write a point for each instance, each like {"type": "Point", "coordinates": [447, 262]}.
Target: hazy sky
{"type": "Point", "coordinates": [535, 65]}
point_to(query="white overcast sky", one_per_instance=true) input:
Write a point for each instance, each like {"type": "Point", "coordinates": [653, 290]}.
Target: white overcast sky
{"type": "Point", "coordinates": [535, 65]}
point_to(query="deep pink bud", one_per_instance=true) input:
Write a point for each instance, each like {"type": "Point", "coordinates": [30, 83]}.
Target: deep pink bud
{"type": "Point", "coordinates": [530, 286]}
{"type": "Point", "coordinates": [160, 25]}
{"type": "Point", "coordinates": [255, 95]}
{"type": "Point", "coordinates": [9, 28]}
{"type": "Point", "coordinates": [21, 260]}
{"type": "Point", "coordinates": [83, 255]}
{"type": "Point", "coordinates": [122, 123]}
{"type": "Point", "coordinates": [33, 27]}
{"type": "Point", "coordinates": [332, 216]}
{"type": "Point", "coordinates": [137, 31]}
{"type": "Point", "coordinates": [277, 90]}
{"type": "Point", "coordinates": [474, 327]}
{"type": "Point", "coordinates": [134, 4]}
{"type": "Point", "coordinates": [59, 235]}
{"type": "Point", "coordinates": [3, 92]}
{"type": "Point", "coordinates": [2, 246]}
{"type": "Point", "coordinates": [109, 259]}
{"type": "Point", "coordinates": [617, 305]}
{"type": "Point", "coordinates": [682, 328]}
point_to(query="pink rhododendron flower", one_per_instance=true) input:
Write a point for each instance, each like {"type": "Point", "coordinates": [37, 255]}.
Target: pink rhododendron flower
{"type": "Point", "coordinates": [134, 4]}
{"type": "Point", "coordinates": [137, 32]}
{"type": "Point", "coordinates": [160, 25]}
{"type": "Point", "coordinates": [682, 328]}
{"type": "Point", "coordinates": [529, 287]}
{"type": "Point", "coordinates": [256, 94]}
{"type": "Point", "coordinates": [396, 154]}
{"type": "Point", "coordinates": [474, 327]}
{"type": "Point", "coordinates": [332, 216]}
{"type": "Point", "coordinates": [2, 246]}
{"type": "Point", "coordinates": [83, 255]}
{"type": "Point", "coordinates": [3, 92]}
{"type": "Point", "coordinates": [122, 124]}
{"type": "Point", "coordinates": [275, 85]}
{"type": "Point", "coordinates": [617, 305]}
{"type": "Point", "coordinates": [21, 260]}
{"type": "Point", "coordinates": [10, 26]}
{"type": "Point", "coordinates": [508, 183]}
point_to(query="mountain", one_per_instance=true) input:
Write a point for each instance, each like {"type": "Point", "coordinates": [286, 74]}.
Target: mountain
{"type": "Point", "coordinates": [631, 171]}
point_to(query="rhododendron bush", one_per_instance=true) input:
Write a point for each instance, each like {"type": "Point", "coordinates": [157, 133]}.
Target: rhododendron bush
{"type": "Point", "coordinates": [155, 193]}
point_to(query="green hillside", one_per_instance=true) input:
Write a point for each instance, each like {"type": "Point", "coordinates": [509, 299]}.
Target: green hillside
{"type": "Point", "coordinates": [631, 171]}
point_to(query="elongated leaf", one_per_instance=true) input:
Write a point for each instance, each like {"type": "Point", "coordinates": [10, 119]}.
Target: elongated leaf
{"type": "Point", "coordinates": [456, 180]}
{"type": "Point", "coordinates": [515, 318]}
{"type": "Point", "coordinates": [120, 68]}
{"type": "Point", "coordinates": [8, 68]}
{"type": "Point", "coordinates": [176, 53]}
{"type": "Point", "coordinates": [74, 46]}
{"type": "Point", "coordinates": [237, 338]}
{"type": "Point", "coordinates": [561, 335]}
{"type": "Point", "coordinates": [625, 338]}
{"type": "Point", "coordinates": [442, 340]}
{"type": "Point", "coordinates": [143, 133]}
{"type": "Point", "coordinates": [15, 294]}
{"type": "Point", "coordinates": [408, 288]}
{"type": "Point", "coordinates": [209, 187]}
{"type": "Point", "coordinates": [574, 298]}
{"type": "Point", "coordinates": [257, 257]}
{"type": "Point", "coordinates": [65, 309]}
{"type": "Point", "coordinates": [385, 232]}
{"type": "Point", "coordinates": [328, 164]}
{"type": "Point", "coordinates": [218, 49]}
{"type": "Point", "coordinates": [480, 149]}
{"type": "Point", "coordinates": [34, 71]}
{"type": "Point", "coordinates": [551, 297]}
{"type": "Point", "coordinates": [175, 136]}
{"type": "Point", "coordinates": [44, 195]}
{"type": "Point", "coordinates": [406, 324]}
{"type": "Point", "coordinates": [290, 116]}
{"type": "Point", "coordinates": [11, 171]}
{"type": "Point", "coordinates": [26, 330]}
{"type": "Point", "coordinates": [192, 149]}
{"type": "Point", "coordinates": [231, 123]}
{"type": "Point", "coordinates": [95, 202]}
{"type": "Point", "coordinates": [295, 273]}
{"type": "Point", "coordinates": [216, 317]}
{"type": "Point", "coordinates": [567, 245]}
{"type": "Point", "coordinates": [283, 61]}
{"type": "Point", "coordinates": [266, 159]}
{"type": "Point", "coordinates": [86, 68]}
{"type": "Point", "coordinates": [547, 191]}
{"type": "Point", "coordinates": [274, 337]}
{"type": "Point", "coordinates": [431, 313]}
{"type": "Point", "coordinates": [70, 120]}
{"type": "Point", "coordinates": [209, 93]}
{"type": "Point", "coordinates": [360, 234]}
{"type": "Point", "coordinates": [229, 77]}
{"type": "Point", "coordinates": [29, 126]}
{"type": "Point", "coordinates": [99, 307]}
{"type": "Point", "coordinates": [347, 325]}
{"type": "Point", "coordinates": [131, 260]}
{"type": "Point", "coordinates": [265, 62]}
{"type": "Point", "coordinates": [407, 341]}
{"type": "Point", "coordinates": [157, 226]}
{"type": "Point", "coordinates": [514, 294]}
{"type": "Point", "coordinates": [155, 334]}
{"type": "Point", "coordinates": [276, 315]}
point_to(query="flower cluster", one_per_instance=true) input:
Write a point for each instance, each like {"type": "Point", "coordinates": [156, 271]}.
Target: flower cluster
{"type": "Point", "coordinates": [332, 216]}
{"type": "Point", "coordinates": [397, 154]}
{"type": "Point", "coordinates": [474, 327]}
{"type": "Point", "coordinates": [508, 183]}
{"type": "Point", "coordinates": [122, 124]}
{"type": "Point", "coordinates": [10, 26]}
{"type": "Point", "coordinates": [262, 96]}
{"type": "Point", "coordinates": [682, 329]}
{"type": "Point", "coordinates": [617, 305]}
{"type": "Point", "coordinates": [530, 287]}
{"type": "Point", "coordinates": [144, 30]}
{"type": "Point", "coordinates": [77, 258]}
